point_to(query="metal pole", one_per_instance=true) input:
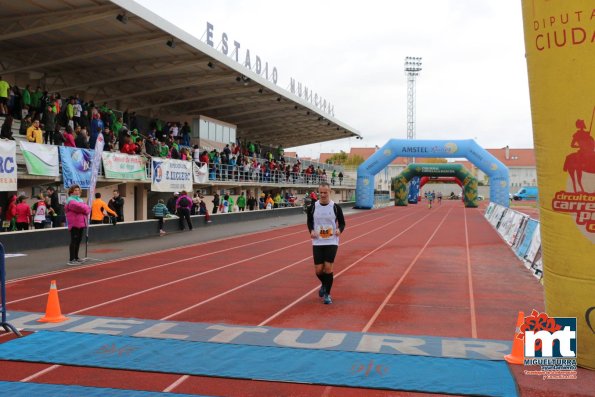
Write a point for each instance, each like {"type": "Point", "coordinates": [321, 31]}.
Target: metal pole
{"type": "Point", "coordinates": [7, 327]}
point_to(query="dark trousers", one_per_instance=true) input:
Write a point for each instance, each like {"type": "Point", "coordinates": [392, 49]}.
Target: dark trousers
{"type": "Point", "coordinates": [76, 236]}
{"type": "Point", "coordinates": [160, 222]}
{"type": "Point", "coordinates": [184, 213]}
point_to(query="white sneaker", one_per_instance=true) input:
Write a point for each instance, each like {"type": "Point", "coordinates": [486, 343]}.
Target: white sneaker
{"type": "Point", "coordinates": [162, 232]}
{"type": "Point", "coordinates": [72, 263]}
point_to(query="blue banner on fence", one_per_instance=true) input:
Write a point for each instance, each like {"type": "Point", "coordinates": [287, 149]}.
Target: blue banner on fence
{"type": "Point", "coordinates": [76, 166]}
{"type": "Point", "coordinates": [413, 190]}
{"type": "Point", "coordinates": [527, 237]}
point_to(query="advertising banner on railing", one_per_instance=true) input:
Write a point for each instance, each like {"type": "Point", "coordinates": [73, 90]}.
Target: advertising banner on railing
{"type": "Point", "coordinates": [76, 166]}
{"type": "Point", "coordinates": [527, 237]}
{"type": "Point", "coordinates": [123, 166]}
{"type": "Point", "coordinates": [171, 175]}
{"type": "Point", "coordinates": [8, 166]}
{"type": "Point", "coordinates": [201, 173]}
{"type": "Point", "coordinates": [41, 159]}
{"type": "Point", "coordinates": [559, 49]}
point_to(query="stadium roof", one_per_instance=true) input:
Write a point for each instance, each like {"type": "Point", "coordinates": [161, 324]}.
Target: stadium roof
{"type": "Point", "coordinates": [121, 53]}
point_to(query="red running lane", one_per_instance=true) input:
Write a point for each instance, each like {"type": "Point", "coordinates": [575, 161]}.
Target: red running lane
{"type": "Point", "coordinates": [367, 271]}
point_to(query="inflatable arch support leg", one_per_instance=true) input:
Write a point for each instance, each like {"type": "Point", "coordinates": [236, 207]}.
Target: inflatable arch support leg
{"type": "Point", "coordinates": [491, 166]}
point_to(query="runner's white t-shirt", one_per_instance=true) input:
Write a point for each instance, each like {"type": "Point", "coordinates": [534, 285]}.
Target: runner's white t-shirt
{"type": "Point", "coordinates": [325, 224]}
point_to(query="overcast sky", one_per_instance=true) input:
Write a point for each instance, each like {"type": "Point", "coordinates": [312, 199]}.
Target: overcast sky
{"type": "Point", "coordinates": [474, 78]}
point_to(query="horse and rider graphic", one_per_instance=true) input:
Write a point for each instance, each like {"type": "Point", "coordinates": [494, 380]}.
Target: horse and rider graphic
{"type": "Point", "coordinates": [583, 160]}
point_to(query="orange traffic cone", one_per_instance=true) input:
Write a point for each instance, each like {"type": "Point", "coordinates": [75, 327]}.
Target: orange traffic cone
{"type": "Point", "coordinates": [52, 311]}
{"type": "Point", "coordinates": [517, 356]}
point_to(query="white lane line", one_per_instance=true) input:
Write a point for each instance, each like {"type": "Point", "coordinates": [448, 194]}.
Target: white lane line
{"type": "Point", "coordinates": [157, 266]}
{"type": "Point", "coordinates": [265, 276]}
{"type": "Point", "coordinates": [400, 281]}
{"type": "Point", "coordinates": [341, 272]}
{"type": "Point", "coordinates": [190, 246]}
{"type": "Point", "coordinates": [194, 275]}
{"type": "Point", "coordinates": [470, 279]}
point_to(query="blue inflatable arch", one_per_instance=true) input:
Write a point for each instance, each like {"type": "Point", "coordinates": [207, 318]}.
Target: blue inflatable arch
{"type": "Point", "coordinates": [490, 165]}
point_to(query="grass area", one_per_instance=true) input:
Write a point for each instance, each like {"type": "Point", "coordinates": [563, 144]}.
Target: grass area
{"type": "Point", "coordinates": [524, 204]}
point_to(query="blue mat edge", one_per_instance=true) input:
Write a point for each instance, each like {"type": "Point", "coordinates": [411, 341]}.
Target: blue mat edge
{"type": "Point", "coordinates": [363, 354]}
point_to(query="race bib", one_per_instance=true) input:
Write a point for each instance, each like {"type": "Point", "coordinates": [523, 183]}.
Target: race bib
{"type": "Point", "coordinates": [326, 231]}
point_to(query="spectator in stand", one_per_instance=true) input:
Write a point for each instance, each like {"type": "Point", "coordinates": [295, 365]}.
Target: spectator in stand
{"type": "Point", "coordinates": [4, 90]}
{"type": "Point", "coordinates": [81, 140]}
{"type": "Point", "coordinates": [23, 214]}
{"type": "Point", "coordinates": [340, 178]}
{"type": "Point", "coordinates": [99, 208]}
{"type": "Point", "coordinates": [96, 128]}
{"type": "Point", "coordinates": [269, 203]}
{"type": "Point", "coordinates": [76, 217]}
{"type": "Point", "coordinates": [174, 130]}
{"type": "Point", "coordinates": [277, 200]}
{"type": "Point", "coordinates": [202, 210]}
{"type": "Point", "coordinates": [183, 205]}
{"type": "Point", "coordinates": [70, 113]}
{"type": "Point", "coordinates": [241, 202]}
{"type": "Point", "coordinates": [35, 102]}
{"type": "Point", "coordinates": [251, 202]}
{"type": "Point", "coordinates": [34, 133]}
{"type": "Point", "coordinates": [160, 211]}
{"type": "Point", "coordinates": [49, 123]}
{"type": "Point", "coordinates": [40, 212]}
{"type": "Point", "coordinates": [186, 134]}
{"type": "Point", "coordinates": [55, 207]}
{"type": "Point", "coordinates": [84, 121]}
{"type": "Point", "coordinates": [171, 203]}
{"type": "Point", "coordinates": [57, 137]}
{"type": "Point", "coordinates": [25, 124]}
{"type": "Point", "coordinates": [134, 136]}
{"type": "Point", "coordinates": [26, 100]}
{"type": "Point", "coordinates": [129, 147]}
{"type": "Point", "coordinates": [215, 203]}
{"type": "Point", "coordinates": [116, 204]}
{"type": "Point", "coordinates": [7, 128]}
{"type": "Point", "coordinates": [196, 155]}
{"type": "Point", "coordinates": [224, 206]}
{"type": "Point", "coordinates": [231, 205]}
{"type": "Point", "coordinates": [78, 110]}
{"type": "Point", "coordinates": [151, 147]}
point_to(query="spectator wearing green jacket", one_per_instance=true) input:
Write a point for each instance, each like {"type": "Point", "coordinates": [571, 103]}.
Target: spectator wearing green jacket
{"type": "Point", "coordinates": [241, 200]}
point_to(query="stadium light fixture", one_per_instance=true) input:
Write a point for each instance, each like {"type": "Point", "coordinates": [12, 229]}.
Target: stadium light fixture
{"type": "Point", "coordinates": [122, 18]}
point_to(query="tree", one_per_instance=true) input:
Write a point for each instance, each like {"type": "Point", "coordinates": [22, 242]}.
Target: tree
{"type": "Point", "coordinates": [338, 158]}
{"type": "Point", "coordinates": [354, 160]}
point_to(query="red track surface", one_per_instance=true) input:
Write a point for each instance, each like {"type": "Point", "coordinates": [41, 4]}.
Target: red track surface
{"type": "Point", "coordinates": [401, 270]}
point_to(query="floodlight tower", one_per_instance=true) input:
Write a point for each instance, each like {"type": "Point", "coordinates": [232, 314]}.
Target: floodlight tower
{"type": "Point", "coordinates": [412, 69]}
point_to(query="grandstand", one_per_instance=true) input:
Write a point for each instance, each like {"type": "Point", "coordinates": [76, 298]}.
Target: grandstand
{"type": "Point", "coordinates": [138, 65]}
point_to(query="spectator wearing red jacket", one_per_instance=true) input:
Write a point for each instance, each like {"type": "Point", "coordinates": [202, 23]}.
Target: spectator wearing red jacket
{"type": "Point", "coordinates": [23, 214]}
{"type": "Point", "coordinates": [10, 213]}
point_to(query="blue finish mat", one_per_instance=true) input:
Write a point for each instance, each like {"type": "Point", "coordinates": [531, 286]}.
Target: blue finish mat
{"type": "Point", "coordinates": [26, 389]}
{"type": "Point", "coordinates": [337, 368]}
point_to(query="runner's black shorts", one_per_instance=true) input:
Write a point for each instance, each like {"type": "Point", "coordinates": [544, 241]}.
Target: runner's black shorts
{"type": "Point", "coordinates": [324, 253]}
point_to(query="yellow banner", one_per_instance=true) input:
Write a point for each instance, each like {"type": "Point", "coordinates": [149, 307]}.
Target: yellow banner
{"type": "Point", "coordinates": [560, 49]}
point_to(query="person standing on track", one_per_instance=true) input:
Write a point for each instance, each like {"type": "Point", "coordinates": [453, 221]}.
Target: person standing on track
{"type": "Point", "coordinates": [76, 217]}
{"type": "Point", "coordinates": [325, 224]}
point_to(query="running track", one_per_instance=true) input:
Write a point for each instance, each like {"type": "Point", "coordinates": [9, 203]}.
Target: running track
{"type": "Point", "coordinates": [400, 270]}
